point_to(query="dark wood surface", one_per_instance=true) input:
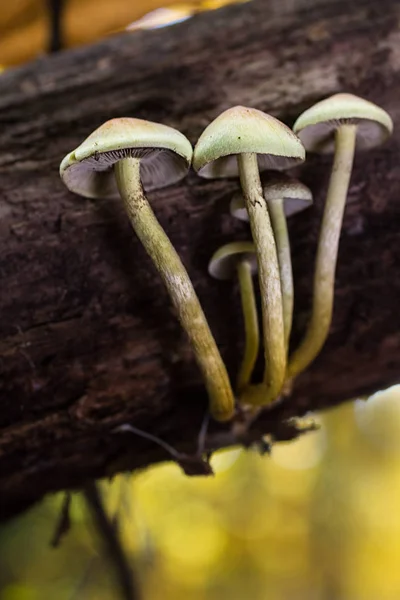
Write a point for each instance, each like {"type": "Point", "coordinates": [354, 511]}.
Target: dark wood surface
{"type": "Point", "coordinates": [88, 339]}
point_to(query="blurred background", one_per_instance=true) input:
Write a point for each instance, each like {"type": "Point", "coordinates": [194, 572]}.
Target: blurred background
{"type": "Point", "coordinates": [318, 520]}
{"type": "Point", "coordinates": [27, 26]}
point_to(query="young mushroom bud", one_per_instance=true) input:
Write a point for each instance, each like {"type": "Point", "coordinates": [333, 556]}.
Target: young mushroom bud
{"type": "Point", "coordinates": [123, 157]}
{"type": "Point", "coordinates": [238, 259]}
{"type": "Point", "coordinates": [285, 197]}
{"type": "Point", "coordinates": [241, 141]}
{"type": "Point", "coordinates": [339, 124]}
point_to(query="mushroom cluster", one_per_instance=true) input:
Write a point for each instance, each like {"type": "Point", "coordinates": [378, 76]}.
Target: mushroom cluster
{"type": "Point", "coordinates": [340, 124]}
{"type": "Point", "coordinates": [127, 157]}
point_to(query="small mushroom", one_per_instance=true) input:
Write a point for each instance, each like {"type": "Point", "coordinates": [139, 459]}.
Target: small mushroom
{"type": "Point", "coordinates": [238, 259]}
{"type": "Point", "coordinates": [285, 197]}
{"type": "Point", "coordinates": [338, 124]}
{"type": "Point", "coordinates": [243, 141]}
{"type": "Point", "coordinates": [122, 157]}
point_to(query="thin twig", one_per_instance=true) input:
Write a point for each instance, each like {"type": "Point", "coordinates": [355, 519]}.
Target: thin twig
{"type": "Point", "coordinates": [63, 524]}
{"type": "Point", "coordinates": [152, 438]}
{"type": "Point", "coordinates": [203, 434]}
{"type": "Point", "coordinates": [56, 42]}
{"type": "Point", "coordinates": [127, 582]}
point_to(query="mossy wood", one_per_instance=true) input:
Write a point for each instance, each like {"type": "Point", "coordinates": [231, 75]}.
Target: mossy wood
{"type": "Point", "coordinates": [88, 337]}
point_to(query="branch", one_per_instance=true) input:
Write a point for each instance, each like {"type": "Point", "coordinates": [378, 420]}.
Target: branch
{"type": "Point", "coordinates": [113, 547]}
{"type": "Point", "coordinates": [88, 339]}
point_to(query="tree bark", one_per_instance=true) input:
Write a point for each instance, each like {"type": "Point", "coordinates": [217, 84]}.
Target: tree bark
{"type": "Point", "coordinates": [88, 339]}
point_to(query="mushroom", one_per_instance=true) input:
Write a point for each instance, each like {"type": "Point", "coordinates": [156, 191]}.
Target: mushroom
{"type": "Point", "coordinates": [243, 141]}
{"type": "Point", "coordinates": [238, 259]}
{"type": "Point", "coordinates": [285, 197]}
{"type": "Point", "coordinates": [123, 156]}
{"type": "Point", "coordinates": [337, 124]}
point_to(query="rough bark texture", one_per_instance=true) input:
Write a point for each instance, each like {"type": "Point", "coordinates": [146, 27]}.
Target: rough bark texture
{"type": "Point", "coordinates": [88, 339]}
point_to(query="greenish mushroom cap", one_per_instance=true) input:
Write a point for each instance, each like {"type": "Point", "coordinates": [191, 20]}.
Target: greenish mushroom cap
{"type": "Point", "coordinates": [241, 130]}
{"type": "Point", "coordinates": [165, 155]}
{"type": "Point", "coordinates": [317, 125]}
{"type": "Point", "coordinates": [296, 196]}
{"type": "Point", "coordinates": [224, 262]}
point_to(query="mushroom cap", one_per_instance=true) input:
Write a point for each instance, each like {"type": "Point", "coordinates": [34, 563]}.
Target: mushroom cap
{"type": "Point", "coordinates": [241, 130]}
{"type": "Point", "coordinates": [317, 125]}
{"type": "Point", "coordinates": [296, 196]}
{"type": "Point", "coordinates": [165, 156]}
{"type": "Point", "coordinates": [224, 262]}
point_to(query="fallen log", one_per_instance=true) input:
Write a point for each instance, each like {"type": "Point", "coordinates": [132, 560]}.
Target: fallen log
{"type": "Point", "coordinates": [88, 339]}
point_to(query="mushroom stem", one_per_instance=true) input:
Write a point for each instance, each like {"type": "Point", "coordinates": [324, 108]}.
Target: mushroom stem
{"type": "Point", "coordinates": [179, 286]}
{"type": "Point", "coordinates": [325, 266]}
{"type": "Point", "coordinates": [279, 226]}
{"type": "Point", "coordinates": [268, 275]}
{"type": "Point", "coordinates": [252, 335]}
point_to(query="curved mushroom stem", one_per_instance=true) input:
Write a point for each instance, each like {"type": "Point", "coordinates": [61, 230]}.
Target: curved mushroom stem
{"type": "Point", "coordinates": [179, 286]}
{"type": "Point", "coordinates": [324, 276]}
{"type": "Point", "coordinates": [252, 334]}
{"type": "Point", "coordinates": [268, 275]}
{"type": "Point", "coordinates": [279, 226]}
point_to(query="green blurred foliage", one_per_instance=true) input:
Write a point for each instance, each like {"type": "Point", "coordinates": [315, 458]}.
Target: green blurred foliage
{"type": "Point", "coordinates": [318, 520]}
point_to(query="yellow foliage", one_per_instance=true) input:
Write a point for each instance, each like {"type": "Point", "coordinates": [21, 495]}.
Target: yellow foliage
{"type": "Point", "coordinates": [319, 518]}
{"type": "Point", "coordinates": [24, 23]}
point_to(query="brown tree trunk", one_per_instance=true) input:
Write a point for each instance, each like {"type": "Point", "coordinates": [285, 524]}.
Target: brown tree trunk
{"type": "Point", "coordinates": [88, 339]}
